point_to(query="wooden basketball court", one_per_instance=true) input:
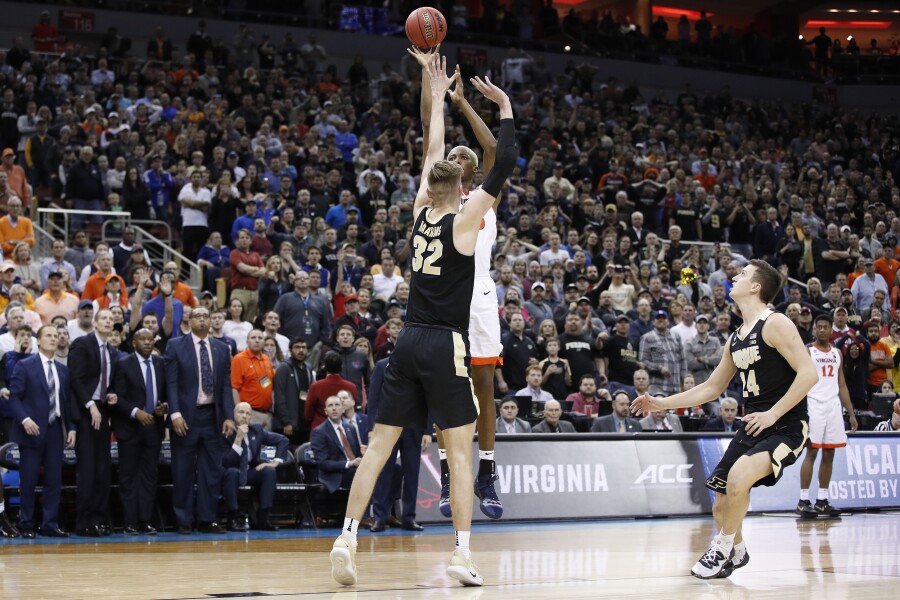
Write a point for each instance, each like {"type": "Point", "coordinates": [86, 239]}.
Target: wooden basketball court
{"type": "Point", "coordinates": [856, 557]}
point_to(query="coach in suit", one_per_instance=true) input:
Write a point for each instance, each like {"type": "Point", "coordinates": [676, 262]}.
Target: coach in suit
{"type": "Point", "coordinates": [552, 423]}
{"type": "Point", "coordinates": [358, 421]}
{"type": "Point", "coordinates": [403, 478]}
{"type": "Point", "coordinates": [245, 465]}
{"type": "Point", "coordinates": [335, 448]}
{"type": "Point", "coordinates": [201, 409]}
{"type": "Point", "coordinates": [618, 421]}
{"type": "Point", "coordinates": [292, 380]}
{"type": "Point", "coordinates": [661, 420]}
{"type": "Point", "coordinates": [509, 421]}
{"type": "Point", "coordinates": [727, 420]}
{"type": "Point", "coordinates": [39, 404]}
{"type": "Point", "coordinates": [138, 420]}
{"type": "Point", "coordinates": [92, 368]}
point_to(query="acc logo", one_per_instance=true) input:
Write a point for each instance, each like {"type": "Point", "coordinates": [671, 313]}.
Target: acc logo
{"type": "Point", "coordinates": [663, 474]}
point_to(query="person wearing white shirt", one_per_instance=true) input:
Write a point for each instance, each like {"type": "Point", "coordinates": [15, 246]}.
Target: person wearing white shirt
{"type": "Point", "coordinates": [554, 253]}
{"type": "Point", "coordinates": [15, 318]}
{"type": "Point", "coordinates": [687, 329]}
{"type": "Point", "coordinates": [195, 203]}
{"type": "Point", "coordinates": [386, 282]}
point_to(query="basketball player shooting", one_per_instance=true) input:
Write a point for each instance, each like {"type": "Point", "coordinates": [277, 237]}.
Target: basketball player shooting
{"type": "Point", "coordinates": [484, 327]}
{"type": "Point", "coordinates": [436, 382]}
{"type": "Point", "coordinates": [826, 423]}
{"type": "Point", "coordinates": [776, 374]}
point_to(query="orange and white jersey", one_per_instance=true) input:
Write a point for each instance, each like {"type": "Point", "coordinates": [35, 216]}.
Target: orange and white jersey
{"type": "Point", "coordinates": [827, 364]}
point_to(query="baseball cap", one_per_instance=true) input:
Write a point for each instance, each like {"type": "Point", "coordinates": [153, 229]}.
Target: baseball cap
{"type": "Point", "coordinates": [846, 291]}
{"type": "Point", "coordinates": [871, 322]}
{"type": "Point", "coordinates": [89, 111]}
{"type": "Point", "coordinates": [353, 209]}
{"type": "Point", "coordinates": [805, 310]}
{"type": "Point", "coordinates": [206, 294]}
{"type": "Point", "coordinates": [8, 152]}
{"type": "Point", "coordinates": [612, 208]}
{"type": "Point", "coordinates": [54, 273]}
{"type": "Point", "coordinates": [355, 298]}
{"type": "Point", "coordinates": [702, 317]}
{"type": "Point", "coordinates": [394, 303]}
{"type": "Point", "coordinates": [623, 317]}
{"type": "Point", "coordinates": [113, 115]}
{"type": "Point", "coordinates": [85, 304]}
{"type": "Point", "coordinates": [868, 262]}
{"type": "Point", "coordinates": [232, 154]}
{"type": "Point", "coordinates": [538, 284]}
{"type": "Point", "coordinates": [660, 313]}
{"type": "Point", "coordinates": [705, 299]}
{"type": "Point", "coordinates": [571, 287]}
{"type": "Point", "coordinates": [111, 277]}
{"type": "Point", "coordinates": [835, 311]}
{"type": "Point", "coordinates": [584, 299]}
{"type": "Point", "coordinates": [7, 265]}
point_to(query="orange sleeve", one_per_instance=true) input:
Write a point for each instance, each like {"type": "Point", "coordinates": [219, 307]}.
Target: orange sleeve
{"type": "Point", "coordinates": [237, 372]}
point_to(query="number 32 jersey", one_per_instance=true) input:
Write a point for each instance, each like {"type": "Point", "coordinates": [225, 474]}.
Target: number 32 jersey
{"type": "Point", "coordinates": [442, 279]}
{"type": "Point", "coordinates": [764, 373]}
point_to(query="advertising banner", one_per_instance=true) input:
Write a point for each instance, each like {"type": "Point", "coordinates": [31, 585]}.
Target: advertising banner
{"type": "Point", "coordinates": [548, 478]}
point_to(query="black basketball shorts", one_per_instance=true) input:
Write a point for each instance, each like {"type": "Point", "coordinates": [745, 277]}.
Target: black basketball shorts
{"type": "Point", "coordinates": [783, 441]}
{"type": "Point", "coordinates": [428, 374]}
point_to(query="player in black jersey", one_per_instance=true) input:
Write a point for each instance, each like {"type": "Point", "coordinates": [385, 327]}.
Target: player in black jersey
{"type": "Point", "coordinates": [428, 372]}
{"type": "Point", "coordinates": [776, 373]}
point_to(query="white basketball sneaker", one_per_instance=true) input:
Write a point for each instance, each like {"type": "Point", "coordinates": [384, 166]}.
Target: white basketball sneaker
{"type": "Point", "coordinates": [463, 569]}
{"type": "Point", "coordinates": [713, 561]}
{"type": "Point", "coordinates": [343, 560]}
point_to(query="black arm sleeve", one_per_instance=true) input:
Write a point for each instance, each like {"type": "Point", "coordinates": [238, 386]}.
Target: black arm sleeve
{"type": "Point", "coordinates": [507, 153]}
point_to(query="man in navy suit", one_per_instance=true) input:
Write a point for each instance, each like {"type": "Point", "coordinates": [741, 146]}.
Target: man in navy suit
{"type": "Point", "coordinates": [245, 464]}
{"type": "Point", "coordinates": [92, 367]}
{"type": "Point", "coordinates": [412, 442]}
{"type": "Point", "coordinates": [618, 421]}
{"type": "Point", "coordinates": [201, 409]}
{"type": "Point", "coordinates": [39, 403]}
{"type": "Point", "coordinates": [335, 448]}
{"type": "Point", "coordinates": [138, 420]}
{"type": "Point", "coordinates": [358, 421]}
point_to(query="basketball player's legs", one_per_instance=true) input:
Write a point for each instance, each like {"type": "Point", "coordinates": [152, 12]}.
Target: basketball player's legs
{"type": "Point", "coordinates": [459, 456]}
{"type": "Point", "coordinates": [343, 552]}
{"type": "Point", "coordinates": [804, 507]}
{"type": "Point", "coordinates": [826, 433]}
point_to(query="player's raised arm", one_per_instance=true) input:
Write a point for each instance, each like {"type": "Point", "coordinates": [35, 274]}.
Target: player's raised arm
{"type": "Point", "coordinates": [469, 219]}
{"type": "Point", "coordinates": [423, 58]}
{"type": "Point", "coordinates": [781, 334]}
{"type": "Point", "coordinates": [707, 391]}
{"type": "Point", "coordinates": [482, 131]}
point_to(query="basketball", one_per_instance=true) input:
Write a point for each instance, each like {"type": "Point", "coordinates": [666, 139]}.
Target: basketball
{"type": "Point", "coordinates": [426, 27]}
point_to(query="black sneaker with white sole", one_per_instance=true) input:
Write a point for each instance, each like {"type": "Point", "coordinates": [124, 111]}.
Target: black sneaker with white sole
{"type": "Point", "coordinates": [806, 510]}
{"type": "Point", "coordinates": [736, 562]}
{"type": "Point", "coordinates": [825, 509]}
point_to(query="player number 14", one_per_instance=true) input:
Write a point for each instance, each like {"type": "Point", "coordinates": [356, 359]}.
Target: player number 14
{"type": "Point", "coordinates": [749, 381]}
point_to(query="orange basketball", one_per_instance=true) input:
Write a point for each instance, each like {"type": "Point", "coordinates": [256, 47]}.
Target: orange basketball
{"type": "Point", "coordinates": [426, 27]}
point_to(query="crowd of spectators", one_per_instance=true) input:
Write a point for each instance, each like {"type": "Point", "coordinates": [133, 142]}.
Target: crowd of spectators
{"type": "Point", "coordinates": [620, 229]}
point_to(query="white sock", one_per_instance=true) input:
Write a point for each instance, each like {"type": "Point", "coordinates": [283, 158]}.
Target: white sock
{"type": "Point", "coordinates": [442, 454]}
{"type": "Point", "coordinates": [486, 455]}
{"type": "Point", "coordinates": [462, 542]}
{"type": "Point", "coordinates": [2, 507]}
{"type": "Point", "coordinates": [350, 527]}
{"type": "Point", "coordinates": [739, 550]}
{"type": "Point", "coordinates": [804, 494]}
{"type": "Point", "coordinates": [823, 494]}
{"type": "Point", "coordinates": [727, 542]}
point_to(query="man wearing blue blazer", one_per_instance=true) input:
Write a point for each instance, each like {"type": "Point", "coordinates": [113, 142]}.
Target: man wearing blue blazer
{"type": "Point", "coordinates": [39, 404]}
{"type": "Point", "coordinates": [335, 448]}
{"type": "Point", "coordinates": [245, 464]}
{"type": "Point", "coordinates": [201, 409]}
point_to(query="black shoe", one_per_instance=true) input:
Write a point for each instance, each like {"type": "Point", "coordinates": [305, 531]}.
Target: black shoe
{"type": "Point", "coordinates": [105, 530]}
{"type": "Point", "coordinates": [147, 529]}
{"type": "Point", "coordinates": [55, 532]}
{"type": "Point", "coordinates": [825, 509]}
{"type": "Point", "coordinates": [212, 527]}
{"type": "Point", "coordinates": [412, 526]}
{"type": "Point", "coordinates": [89, 531]}
{"type": "Point", "coordinates": [805, 510]}
{"type": "Point", "coordinates": [267, 525]}
{"type": "Point", "coordinates": [378, 526]}
{"type": "Point", "coordinates": [131, 530]}
{"type": "Point", "coordinates": [237, 524]}
{"type": "Point", "coordinates": [7, 529]}
{"type": "Point", "coordinates": [27, 531]}
{"type": "Point", "coordinates": [185, 530]}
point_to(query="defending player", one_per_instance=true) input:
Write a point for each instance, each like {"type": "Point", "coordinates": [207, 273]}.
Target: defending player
{"type": "Point", "coordinates": [826, 423]}
{"type": "Point", "coordinates": [484, 326]}
{"type": "Point", "coordinates": [776, 374]}
{"type": "Point", "coordinates": [428, 372]}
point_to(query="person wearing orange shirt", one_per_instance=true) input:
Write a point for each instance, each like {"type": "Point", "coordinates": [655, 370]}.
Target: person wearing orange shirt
{"type": "Point", "coordinates": [880, 358]}
{"type": "Point", "coordinates": [95, 286]}
{"type": "Point", "coordinates": [15, 228]}
{"type": "Point", "coordinates": [56, 300]}
{"type": "Point", "coordinates": [18, 181]}
{"type": "Point", "coordinates": [252, 377]}
{"type": "Point", "coordinates": [887, 266]}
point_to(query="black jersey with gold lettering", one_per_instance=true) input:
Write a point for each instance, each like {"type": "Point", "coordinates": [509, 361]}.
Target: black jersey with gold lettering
{"type": "Point", "coordinates": [765, 374]}
{"type": "Point", "coordinates": [440, 291]}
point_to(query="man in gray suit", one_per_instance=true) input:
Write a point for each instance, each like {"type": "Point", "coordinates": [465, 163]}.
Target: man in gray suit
{"type": "Point", "coordinates": [661, 420]}
{"type": "Point", "coordinates": [551, 422]}
{"type": "Point", "coordinates": [618, 421]}
{"type": "Point", "coordinates": [508, 421]}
